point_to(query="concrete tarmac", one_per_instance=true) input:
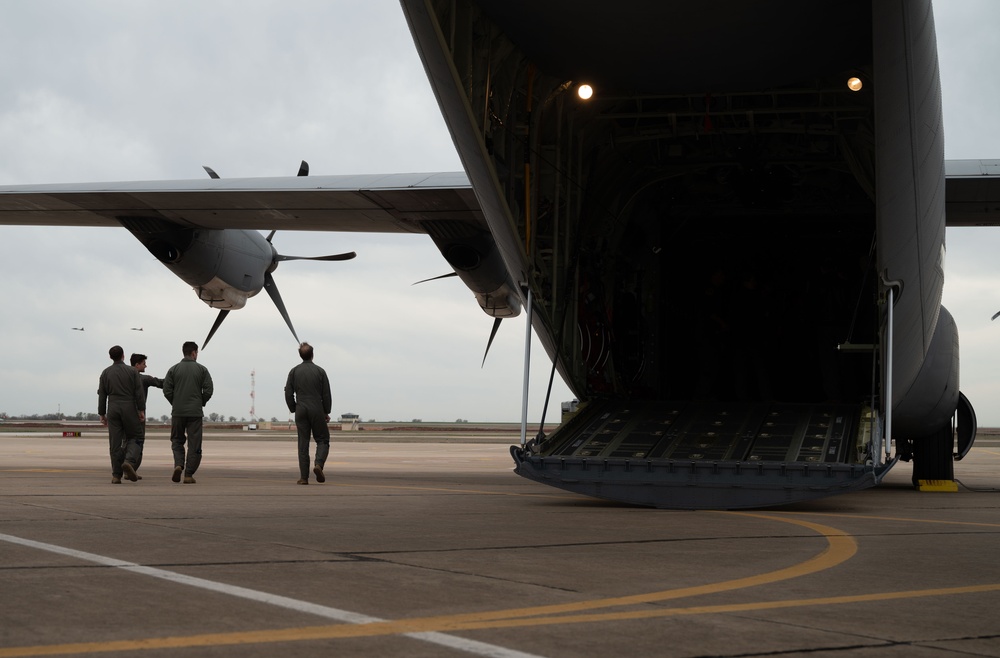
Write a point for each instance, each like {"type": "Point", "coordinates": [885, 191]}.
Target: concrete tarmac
{"type": "Point", "coordinates": [437, 549]}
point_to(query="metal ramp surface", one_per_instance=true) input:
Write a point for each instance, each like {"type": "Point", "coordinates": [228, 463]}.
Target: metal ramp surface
{"type": "Point", "coordinates": [704, 455]}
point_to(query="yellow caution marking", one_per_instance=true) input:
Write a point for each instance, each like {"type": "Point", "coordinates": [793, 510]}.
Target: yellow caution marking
{"type": "Point", "coordinates": [937, 485]}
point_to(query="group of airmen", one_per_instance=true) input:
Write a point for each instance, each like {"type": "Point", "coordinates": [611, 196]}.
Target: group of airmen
{"type": "Point", "coordinates": [188, 387]}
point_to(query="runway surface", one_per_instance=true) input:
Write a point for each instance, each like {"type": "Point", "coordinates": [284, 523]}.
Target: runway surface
{"type": "Point", "coordinates": [437, 549]}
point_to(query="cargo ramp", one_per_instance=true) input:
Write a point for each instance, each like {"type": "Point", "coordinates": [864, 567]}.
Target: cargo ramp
{"type": "Point", "coordinates": [708, 455]}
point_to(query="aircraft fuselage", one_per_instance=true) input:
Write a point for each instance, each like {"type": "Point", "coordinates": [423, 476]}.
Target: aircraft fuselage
{"type": "Point", "coordinates": [725, 220]}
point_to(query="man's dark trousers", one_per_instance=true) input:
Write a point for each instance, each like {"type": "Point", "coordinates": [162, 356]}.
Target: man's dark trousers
{"type": "Point", "coordinates": [123, 422]}
{"type": "Point", "coordinates": [192, 427]}
{"type": "Point", "coordinates": [306, 421]}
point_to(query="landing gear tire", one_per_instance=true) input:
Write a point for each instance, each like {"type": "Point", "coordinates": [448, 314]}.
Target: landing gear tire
{"type": "Point", "coordinates": [933, 456]}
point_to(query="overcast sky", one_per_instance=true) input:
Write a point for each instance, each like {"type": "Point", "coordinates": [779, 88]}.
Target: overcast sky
{"type": "Point", "coordinates": [133, 90]}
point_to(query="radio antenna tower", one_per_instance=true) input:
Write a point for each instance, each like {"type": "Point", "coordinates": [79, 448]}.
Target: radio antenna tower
{"type": "Point", "coordinates": [253, 396]}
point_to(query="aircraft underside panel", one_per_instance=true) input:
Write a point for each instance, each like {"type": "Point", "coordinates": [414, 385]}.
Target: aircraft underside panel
{"type": "Point", "coordinates": [705, 455]}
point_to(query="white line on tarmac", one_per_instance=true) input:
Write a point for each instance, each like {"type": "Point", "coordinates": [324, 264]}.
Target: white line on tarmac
{"type": "Point", "coordinates": [450, 641]}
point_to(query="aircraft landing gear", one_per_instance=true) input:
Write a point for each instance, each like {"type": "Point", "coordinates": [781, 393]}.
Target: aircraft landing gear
{"type": "Point", "coordinates": [934, 456]}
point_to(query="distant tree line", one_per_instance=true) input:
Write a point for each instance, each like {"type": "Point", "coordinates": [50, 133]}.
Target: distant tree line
{"type": "Point", "coordinates": [211, 418]}
{"type": "Point", "coordinates": [79, 416]}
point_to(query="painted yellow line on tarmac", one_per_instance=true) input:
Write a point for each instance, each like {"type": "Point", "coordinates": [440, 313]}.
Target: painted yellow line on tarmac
{"type": "Point", "coordinates": [455, 623]}
{"type": "Point", "coordinates": [840, 548]}
{"type": "Point", "coordinates": [449, 625]}
{"type": "Point", "coordinates": [896, 519]}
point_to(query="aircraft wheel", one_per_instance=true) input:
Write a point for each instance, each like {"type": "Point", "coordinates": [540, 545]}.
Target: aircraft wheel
{"type": "Point", "coordinates": [933, 456]}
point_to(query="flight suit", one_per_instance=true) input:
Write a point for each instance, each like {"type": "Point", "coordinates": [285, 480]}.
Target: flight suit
{"type": "Point", "coordinates": [307, 394]}
{"type": "Point", "coordinates": [120, 398]}
{"type": "Point", "coordinates": [188, 387]}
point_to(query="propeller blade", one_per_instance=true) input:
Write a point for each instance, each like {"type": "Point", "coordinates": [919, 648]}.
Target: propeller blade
{"type": "Point", "coordinates": [272, 291]}
{"type": "Point", "coordinates": [435, 278]}
{"type": "Point", "coordinates": [271, 235]}
{"type": "Point", "coordinates": [346, 256]}
{"type": "Point", "coordinates": [218, 321]}
{"type": "Point", "coordinates": [496, 325]}
{"type": "Point", "coordinates": [210, 171]}
{"type": "Point", "coordinates": [995, 315]}
{"type": "Point", "coordinates": [304, 168]}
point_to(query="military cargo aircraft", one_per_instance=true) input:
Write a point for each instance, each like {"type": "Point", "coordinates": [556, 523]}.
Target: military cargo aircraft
{"type": "Point", "coordinates": [725, 221]}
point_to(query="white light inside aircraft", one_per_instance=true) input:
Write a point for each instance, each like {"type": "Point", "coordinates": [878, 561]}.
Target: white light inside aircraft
{"type": "Point", "coordinates": [854, 84]}
{"type": "Point", "coordinates": [585, 92]}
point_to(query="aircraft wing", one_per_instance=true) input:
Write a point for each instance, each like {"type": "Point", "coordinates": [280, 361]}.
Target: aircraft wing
{"type": "Point", "coordinates": [972, 192]}
{"type": "Point", "coordinates": [372, 203]}
{"type": "Point", "coordinates": [375, 203]}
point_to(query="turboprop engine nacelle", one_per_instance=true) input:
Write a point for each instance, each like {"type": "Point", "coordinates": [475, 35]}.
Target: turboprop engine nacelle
{"type": "Point", "coordinates": [224, 266]}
